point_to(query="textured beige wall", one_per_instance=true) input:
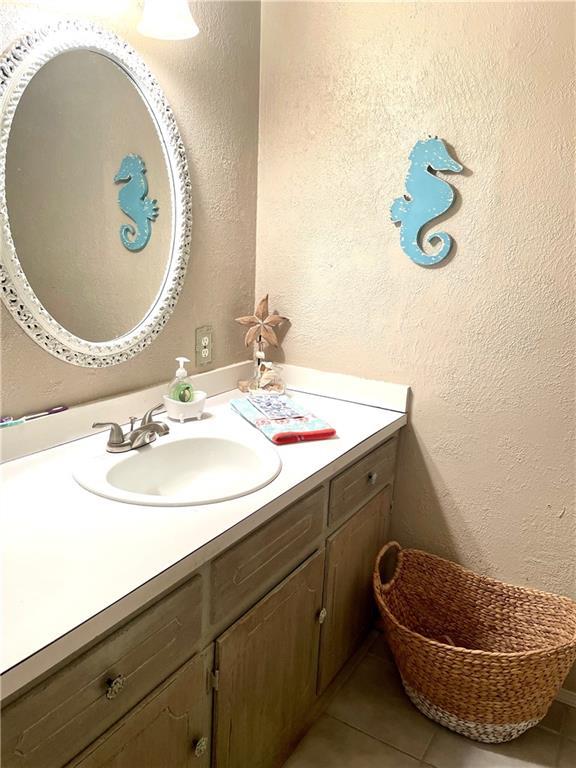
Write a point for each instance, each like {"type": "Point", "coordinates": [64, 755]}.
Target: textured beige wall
{"type": "Point", "coordinates": [211, 83]}
{"type": "Point", "coordinates": [486, 472]}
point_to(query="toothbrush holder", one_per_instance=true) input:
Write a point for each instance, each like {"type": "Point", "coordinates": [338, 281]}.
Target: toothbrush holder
{"type": "Point", "coordinates": [184, 411]}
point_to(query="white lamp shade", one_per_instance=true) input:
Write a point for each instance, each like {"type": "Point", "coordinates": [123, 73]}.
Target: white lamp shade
{"type": "Point", "coordinates": [167, 20]}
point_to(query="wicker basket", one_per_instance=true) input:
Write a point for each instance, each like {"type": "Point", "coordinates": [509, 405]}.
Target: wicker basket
{"type": "Point", "coordinates": [482, 658]}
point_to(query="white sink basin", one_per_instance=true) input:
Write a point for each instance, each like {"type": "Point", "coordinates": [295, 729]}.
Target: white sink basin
{"type": "Point", "coordinates": [196, 470]}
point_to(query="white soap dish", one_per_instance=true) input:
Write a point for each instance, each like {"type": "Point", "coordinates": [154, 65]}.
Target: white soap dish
{"type": "Point", "coordinates": [183, 411]}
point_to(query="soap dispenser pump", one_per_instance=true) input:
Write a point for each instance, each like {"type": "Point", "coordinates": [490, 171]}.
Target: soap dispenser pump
{"type": "Point", "coordinates": [183, 402]}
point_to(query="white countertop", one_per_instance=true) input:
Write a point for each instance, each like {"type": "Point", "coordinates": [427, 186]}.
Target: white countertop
{"type": "Point", "coordinates": [73, 562]}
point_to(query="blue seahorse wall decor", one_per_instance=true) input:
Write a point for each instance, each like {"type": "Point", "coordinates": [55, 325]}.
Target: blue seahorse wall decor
{"type": "Point", "coordinates": [135, 203]}
{"type": "Point", "coordinates": [427, 197]}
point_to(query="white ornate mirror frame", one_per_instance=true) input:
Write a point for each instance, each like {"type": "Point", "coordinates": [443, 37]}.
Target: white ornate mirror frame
{"type": "Point", "coordinates": [18, 65]}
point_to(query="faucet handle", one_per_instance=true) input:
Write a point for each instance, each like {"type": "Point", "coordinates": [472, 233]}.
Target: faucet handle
{"type": "Point", "coordinates": [141, 436]}
{"type": "Point", "coordinates": [148, 417]}
{"type": "Point", "coordinates": [116, 433]}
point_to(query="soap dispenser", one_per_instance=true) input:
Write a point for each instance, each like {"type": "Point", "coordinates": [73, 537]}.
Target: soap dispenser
{"type": "Point", "coordinates": [181, 387]}
{"type": "Point", "coordinates": [183, 401]}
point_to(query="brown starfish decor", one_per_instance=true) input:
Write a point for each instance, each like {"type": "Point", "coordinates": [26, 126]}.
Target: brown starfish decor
{"type": "Point", "coordinates": [262, 325]}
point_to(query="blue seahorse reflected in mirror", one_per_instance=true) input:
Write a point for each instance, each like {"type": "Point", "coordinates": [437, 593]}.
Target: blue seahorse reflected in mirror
{"type": "Point", "coordinates": [135, 203]}
{"type": "Point", "coordinates": [427, 197]}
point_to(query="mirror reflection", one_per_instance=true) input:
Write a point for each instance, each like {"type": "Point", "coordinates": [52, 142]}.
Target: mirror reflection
{"type": "Point", "coordinates": [89, 195]}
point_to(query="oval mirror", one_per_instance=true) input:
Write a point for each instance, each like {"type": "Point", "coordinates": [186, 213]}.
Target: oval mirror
{"type": "Point", "coordinates": [94, 196]}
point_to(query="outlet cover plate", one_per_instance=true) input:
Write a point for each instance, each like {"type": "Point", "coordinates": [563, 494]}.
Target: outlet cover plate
{"type": "Point", "coordinates": [203, 345]}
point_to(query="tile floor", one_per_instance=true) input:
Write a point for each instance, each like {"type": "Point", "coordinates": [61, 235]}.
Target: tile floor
{"type": "Point", "coordinates": [371, 724]}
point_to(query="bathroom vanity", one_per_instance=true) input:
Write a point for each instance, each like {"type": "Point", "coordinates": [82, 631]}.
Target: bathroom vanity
{"type": "Point", "coordinates": [225, 665]}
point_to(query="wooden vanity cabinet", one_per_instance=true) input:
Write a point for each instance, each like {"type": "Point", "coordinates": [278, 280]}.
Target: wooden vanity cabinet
{"type": "Point", "coordinates": [266, 666]}
{"type": "Point", "coordinates": [278, 615]}
{"type": "Point", "coordinates": [169, 729]}
{"type": "Point", "coordinates": [350, 555]}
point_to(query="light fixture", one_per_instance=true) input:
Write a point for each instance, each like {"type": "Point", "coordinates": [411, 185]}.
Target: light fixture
{"type": "Point", "coordinates": [167, 20]}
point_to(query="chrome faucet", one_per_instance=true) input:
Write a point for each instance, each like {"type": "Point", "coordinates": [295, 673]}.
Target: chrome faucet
{"type": "Point", "coordinates": [136, 437]}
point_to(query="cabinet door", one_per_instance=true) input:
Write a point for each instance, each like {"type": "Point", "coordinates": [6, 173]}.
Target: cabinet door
{"type": "Point", "coordinates": [267, 666]}
{"type": "Point", "coordinates": [350, 556]}
{"type": "Point", "coordinates": [169, 729]}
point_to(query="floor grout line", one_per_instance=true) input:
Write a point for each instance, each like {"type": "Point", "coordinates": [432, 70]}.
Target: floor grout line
{"type": "Point", "coordinates": [434, 734]}
{"type": "Point", "coordinates": [375, 738]}
{"type": "Point", "coordinates": [390, 662]}
{"type": "Point", "coordinates": [562, 740]}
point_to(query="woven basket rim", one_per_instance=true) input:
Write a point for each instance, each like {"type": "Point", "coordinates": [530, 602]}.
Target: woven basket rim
{"type": "Point", "coordinates": [383, 588]}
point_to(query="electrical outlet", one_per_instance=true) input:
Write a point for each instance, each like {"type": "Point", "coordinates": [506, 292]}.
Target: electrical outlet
{"type": "Point", "coordinates": [203, 345]}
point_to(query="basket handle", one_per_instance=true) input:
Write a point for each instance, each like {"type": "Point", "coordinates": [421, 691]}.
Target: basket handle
{"type": "Point", "coordinates": [386, 585]}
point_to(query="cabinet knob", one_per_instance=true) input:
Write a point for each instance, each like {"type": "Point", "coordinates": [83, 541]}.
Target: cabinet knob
{"type": "Point", "coordinates": [372, 478]}
{"type": "Point", "coordinates": [200, 746]}
{"type": "Point", "coordinates": [115, 686]}
{"type": "Point", "coordinates": [322, 616]}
